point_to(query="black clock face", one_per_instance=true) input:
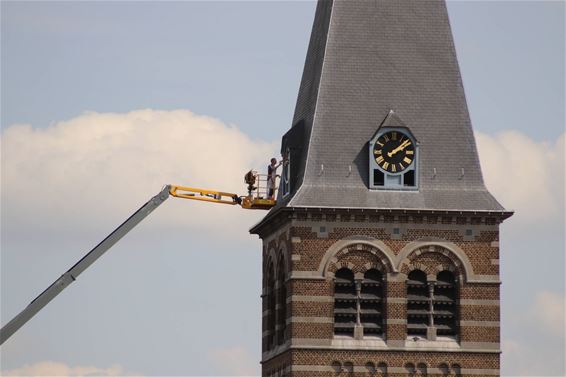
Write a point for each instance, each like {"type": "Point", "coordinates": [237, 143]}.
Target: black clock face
{"type": "Point", "coordinates": [394, 151]}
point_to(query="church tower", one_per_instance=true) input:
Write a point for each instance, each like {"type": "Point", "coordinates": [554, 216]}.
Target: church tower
{"type": "Point", "coordinates": [381, 257]}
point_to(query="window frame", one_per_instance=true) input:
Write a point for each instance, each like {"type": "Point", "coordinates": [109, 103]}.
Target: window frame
{"type": "Point", "coordinates": [424, 308]}
{"type": "Point", "coordinates": [286, 175]}
{"type": "Point", "coordinates": [358, 297]}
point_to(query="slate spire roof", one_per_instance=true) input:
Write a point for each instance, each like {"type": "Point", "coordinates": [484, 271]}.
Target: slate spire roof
{"type": "Point", "coordinates": [367, 60]}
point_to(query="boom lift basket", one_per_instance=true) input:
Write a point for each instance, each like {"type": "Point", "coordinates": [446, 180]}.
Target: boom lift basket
{"type": "Point", "coordinates": [258, 191]}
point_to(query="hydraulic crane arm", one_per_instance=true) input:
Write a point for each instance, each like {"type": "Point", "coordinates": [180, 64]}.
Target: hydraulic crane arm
{"type": "Point", "coordinates": [248, 202]}
{"type": "Point", "coordinates": [204, 195]}
{"type": "Point", "coordinates": [71, 275]}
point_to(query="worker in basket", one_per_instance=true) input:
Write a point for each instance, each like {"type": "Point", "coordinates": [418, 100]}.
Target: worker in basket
{"type": "Point", "coordinates": [272, 177]}
{"type": "Point", "coordinates": [250, 179]}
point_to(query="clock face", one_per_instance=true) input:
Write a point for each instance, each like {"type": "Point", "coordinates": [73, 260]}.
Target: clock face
{"type": "Point", "coordinates": [394, 151]}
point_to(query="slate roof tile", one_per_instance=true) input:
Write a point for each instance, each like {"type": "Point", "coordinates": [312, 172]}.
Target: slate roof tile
{"type": "Point", "coordinates": [366, 58]}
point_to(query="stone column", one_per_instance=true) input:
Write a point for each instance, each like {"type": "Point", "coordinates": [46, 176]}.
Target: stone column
{"type": "Point", "coordinates": [431, 330]}
{"type": "Point", "coordinates": [358, 329]}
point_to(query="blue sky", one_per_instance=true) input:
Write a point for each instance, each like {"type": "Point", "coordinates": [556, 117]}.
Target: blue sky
{"type": "Point", "coordinates": [62, 58]}
{"type": "Point", "coordinates": [180, 294]}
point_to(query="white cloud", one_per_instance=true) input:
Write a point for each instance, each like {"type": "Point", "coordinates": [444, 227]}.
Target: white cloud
{"type": "Point", "coordinates": [234, 361]}
{"type": "Point", "coordinates": [522, 358]}
{"type": "Point", "coordinates": [50, 368]}
{"type": "Point", "coordinates": [528, 176]}
{"type": "Point", "coordinates": [98, 168]}
{"type": "Point", "coordinates": [536, 344]}
{"type": "Point", "coordinates": [548, 310]}
{"type": "Point", "coordinates": [525, 175]}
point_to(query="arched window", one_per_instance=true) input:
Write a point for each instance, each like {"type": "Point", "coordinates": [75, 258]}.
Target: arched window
{"type": "Point", "coordinates": [445, 308]}
{"type": "Point", "coordinates": [382, 369]}
{"type": "Point", "coordinates": [337, 367]}
{"type": "Point", "coordinates": [270, 307]}
{"type": "Point", "coordinates": [410, 368]}
{"type": "Point", "coordinates": [422, 370]}
{"type": "Point", "coordinates": [444, 369]}
{"type": "Point", "coordinates": [371, 305]}
{"type": "Point", "coordinates": [431, 304]}
{"type": "Point", "coordinates": [418, 303]}
{"type": "Point", "coordinates": [282, 304]}
{"type": "Point", "coordinates": [370, 368]}
{"type": "Point", "coordinates": [349, 368]}
{"type": "Point", "coordinates": [457, 370]}
{"type": "Point", "coordinates": [345, 302]}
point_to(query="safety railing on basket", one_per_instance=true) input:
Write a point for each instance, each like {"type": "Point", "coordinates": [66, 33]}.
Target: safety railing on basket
{"type": "Point", "coordinates": [260, 186]}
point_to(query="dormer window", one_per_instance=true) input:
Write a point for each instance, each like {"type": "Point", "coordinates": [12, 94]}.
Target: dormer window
{"type": "Point", "coordinates": [286, 175]}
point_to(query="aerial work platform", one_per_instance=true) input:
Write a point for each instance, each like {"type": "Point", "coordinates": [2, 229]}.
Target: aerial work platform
{"type": "Point", "coordinates": [257, 198]}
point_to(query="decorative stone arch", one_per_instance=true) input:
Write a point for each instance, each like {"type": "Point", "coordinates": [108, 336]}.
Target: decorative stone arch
{"type": "Point", "coordinates": [422, 368]}
{"type": "Point", "coordinates": [418, 266]}
{"type": "Point", "coordinates": [441, 267]}
{"type": "Point", "coordinates": [460, 265]}
{"type": "Point", "coordinates": [375, 247]}
{"type": "Point", "coordinates": [371, 258]}
{"type": "Point", "coordinates": [381, 267]}
{"type": "Point", "coordinates": [343, 264]}
{"type": "Point", "coordinates": [270, 260]}
{"type": "Point", "coordinates": [336, 366]}
{"type": "Point", "coordinates": [283, 258]}
{"type": "Point", "coordinates": [431, 269]}
{"type": "Point", "coordinates": [272, 257]}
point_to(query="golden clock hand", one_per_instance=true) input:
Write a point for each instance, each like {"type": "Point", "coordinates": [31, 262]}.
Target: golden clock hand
{"type": "Point", "coordinates": [403, 145]}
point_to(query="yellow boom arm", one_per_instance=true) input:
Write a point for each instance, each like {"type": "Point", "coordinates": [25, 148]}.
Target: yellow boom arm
{"type": "Point", "coordinates": [213, 196]}
{"type": "Point", "coordinates": [204, 195]}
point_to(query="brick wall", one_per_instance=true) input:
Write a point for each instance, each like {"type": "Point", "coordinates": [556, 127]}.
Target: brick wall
{"type": "Point", "coordinates": [384, 242]}
{"type": "Point", "coordinates": [323, 363]}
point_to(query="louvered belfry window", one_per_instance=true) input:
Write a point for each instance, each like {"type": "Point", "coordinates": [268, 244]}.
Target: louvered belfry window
{"type": "Point", "coordinates": [431, 304]}
{"type": "Point", "coordinates": [282, 309]}
{"type": "Point", "coordinates": [358, 302]}
{"type": "Point", "coordinates": [445, 304]}
{"type": "Point", "coordinates": [271, 308]}
{"type": "Point", "coordinates": [371, 305]}
{"type": "Point", "coordinates": [345, 302]}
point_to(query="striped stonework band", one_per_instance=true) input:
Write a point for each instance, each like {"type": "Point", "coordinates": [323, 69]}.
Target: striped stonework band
{"type": "Point", "coordinates": [327, 344]}
{"type": "Point", "coordinates": [392, 300]}
{"type": "Point", "coordinates": [310, 320]}
{"type": "Point", "coordinates": [305, 298]}
{"type": "Point", "coordinates": [480, 323]}
{"type": "Point", "coordinates": [396, 370]}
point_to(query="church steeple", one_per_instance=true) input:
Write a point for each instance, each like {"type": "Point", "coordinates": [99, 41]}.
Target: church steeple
{"type": "Point", "coordinates": [365, 60]}
{"type": "Point", "coordinates": [381, 257]}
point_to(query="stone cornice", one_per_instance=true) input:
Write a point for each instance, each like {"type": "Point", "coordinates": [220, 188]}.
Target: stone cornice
{"type": "Point", "coordinates": [278, 216]}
